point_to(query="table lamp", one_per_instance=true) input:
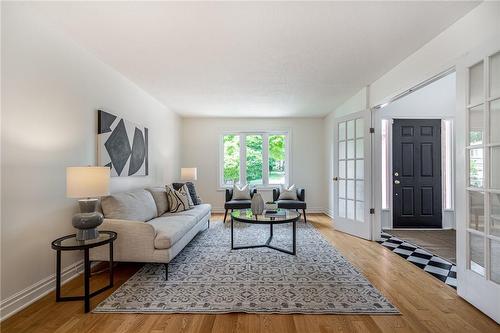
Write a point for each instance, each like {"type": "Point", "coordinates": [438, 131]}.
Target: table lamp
{"type": "Point", "coordinates": [87, 183]}
{"type": "Point", "coordinates": [189, 174]}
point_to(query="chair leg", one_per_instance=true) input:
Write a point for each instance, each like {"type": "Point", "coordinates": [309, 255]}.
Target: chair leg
{"type": "Point", "coordinates": [225, 215]}
{"type": "Point", "coordinates": [305, 219]}
{"type": "Point", "coordinates": [166, 272]}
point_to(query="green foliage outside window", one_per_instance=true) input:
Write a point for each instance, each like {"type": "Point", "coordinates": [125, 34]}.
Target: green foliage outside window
{"type": "Point", "coordinates": [231, 158]}
{"type": "Point", "coordinates": [254, 158]}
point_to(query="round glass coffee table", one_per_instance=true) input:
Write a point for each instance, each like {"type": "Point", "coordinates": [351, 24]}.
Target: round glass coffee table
{"type": "Point", "coordinates": [280, 217]}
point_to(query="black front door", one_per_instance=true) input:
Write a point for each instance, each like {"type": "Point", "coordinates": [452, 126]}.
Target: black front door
{"type": "Point", "coordinates": [416, 161]}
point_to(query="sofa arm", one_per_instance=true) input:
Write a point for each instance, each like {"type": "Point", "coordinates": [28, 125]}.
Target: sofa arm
{"type": "Point", "coordinates": [301, 194]}
{"type": "Point", "coordinates": [135, 241]}
{"type": "Point", "coordinates": [229, 194]}
{"type": "Point", "coordinates": [276, 194]}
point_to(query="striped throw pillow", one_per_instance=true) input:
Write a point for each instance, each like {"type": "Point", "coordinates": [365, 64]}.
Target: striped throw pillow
{"type": "Point", "coordinates": [177, 200]}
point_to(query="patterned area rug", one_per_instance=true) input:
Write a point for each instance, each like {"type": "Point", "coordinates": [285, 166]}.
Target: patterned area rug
{"type": "Point", "coordinates": [207, 277]}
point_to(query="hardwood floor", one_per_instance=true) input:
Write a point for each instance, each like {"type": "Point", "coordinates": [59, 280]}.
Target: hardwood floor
{"type": "Point", "coordinates": [426, 304]}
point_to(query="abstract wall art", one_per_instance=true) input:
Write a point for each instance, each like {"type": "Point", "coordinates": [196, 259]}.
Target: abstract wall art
{"type": "Point", "coordinates": [121, 145]}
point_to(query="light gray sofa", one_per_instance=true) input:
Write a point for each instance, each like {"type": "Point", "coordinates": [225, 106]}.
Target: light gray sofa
{"type": "Point", "coordinates": [147, 231]}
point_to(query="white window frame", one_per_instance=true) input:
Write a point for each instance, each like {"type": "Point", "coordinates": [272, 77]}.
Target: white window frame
{"type": "Point", "coordinates": [265, 157]}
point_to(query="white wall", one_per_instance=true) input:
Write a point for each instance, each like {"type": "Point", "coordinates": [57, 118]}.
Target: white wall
{"type": "Point", "coordinates": [437, 100]}
{"type": "Point", "coordinates": [51, 89]}
{"type": "Point", "coordinates": [200, 148]}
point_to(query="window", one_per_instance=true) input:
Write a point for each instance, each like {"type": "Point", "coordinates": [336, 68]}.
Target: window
{"type": "Point", "coordinates": [256, 158]}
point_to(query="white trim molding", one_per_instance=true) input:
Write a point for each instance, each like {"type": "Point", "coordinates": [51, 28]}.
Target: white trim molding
{"type": "Point", "coordinates": [22, 299]}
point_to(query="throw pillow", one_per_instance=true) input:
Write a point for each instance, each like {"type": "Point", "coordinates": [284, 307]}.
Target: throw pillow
{"type": "Point", "coordinates": [160, 196]}
{"type": "Point", "coordinates": [241, 193]}
{"type": "Point", "coordinates": [288, 193]}
{"type": "Point", "coordinates": [192, 191]}
{"type": "Point", "coordinates": [184, 190]}
{"type": "Point", "coordinates": [177, 201]}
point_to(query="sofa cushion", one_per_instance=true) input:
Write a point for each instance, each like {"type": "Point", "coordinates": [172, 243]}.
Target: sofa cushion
{"type": "Point", "coordinates": [291, 204]}
{"type": "Point", "coordinates": [160, 197]}
{"type": "Point", "coordinates": [238, 204]}
{"type": "Point", "coordinates": [198, 212]}
{"type": "Point", "coordinates": [170, 229]}
{"type": "Point", "coordinates": [137, 205]}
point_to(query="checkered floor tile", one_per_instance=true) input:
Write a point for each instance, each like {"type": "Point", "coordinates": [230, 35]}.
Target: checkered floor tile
{"type": "Point", "coordinates": [437, 266]}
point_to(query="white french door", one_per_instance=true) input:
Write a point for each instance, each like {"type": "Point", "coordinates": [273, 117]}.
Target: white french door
{"type": "Point", "coordinates": [478, 156]}
{"type": "Point", "coordinates": [352, 174]}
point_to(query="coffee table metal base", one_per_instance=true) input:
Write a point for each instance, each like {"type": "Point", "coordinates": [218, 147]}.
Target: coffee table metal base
{"type": "Point", "coordinates": [268, 242]}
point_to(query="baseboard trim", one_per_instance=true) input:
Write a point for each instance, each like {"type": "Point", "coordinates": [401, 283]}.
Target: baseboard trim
{"type": "Point", "coordinates": [328, 212]}
{"type": "Point", "coordinates": [22, 299]}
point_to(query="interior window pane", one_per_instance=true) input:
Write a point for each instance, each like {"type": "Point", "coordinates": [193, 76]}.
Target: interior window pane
{"type": "Point", "coordinates": [231, 159]}
{"type": "Point", "coordinates": [342, 188]}
{"type": "Point", "coordinates": [495, 121]}
{"type": "Point", "coordinates": [476, 92]}
{"type": "Point", "coordinates": [254, 146]}
{"type": "Point", "coordinates": [342, 171]}
{"type": "Point", "coordinates": [350, 129]}
{"type": "Point", "coordinates": [350, 189]}
{"type": "Point", "coordinates": [277, 159]}
{"type": "Point", "coordinates": [495, 167]}
{"type": "Point", "coordinates": [495, 75]}
{"type": "Point", "coordinates": [342, 208]}
{"type": "Point", "coordinates": [476, 175]}
{"type": "Point", "coordinates": [476, 124]}
{"type": "Point", "coordinates": [495, 214]}
{"type": "Point", "coordinates": [341, 131]}
{"type": "Point", "coordinates": [476, 245]}
{"type": "Point", "coordinates": [360, 214]}
{"type": "Point", "coordinates": [495, 261]}
{"type": "Point", "coordinates": [360, 169]}
{"type": "Point", "coordinates": [350, 149]}
{"type": "Point", "coordinates": [350, 169]}
{"type": "Point", "coordinates": [360, 127]}
{"type": "Point", "coordinates": [360, 190]}
{"type": "Point", "coordinates": [342, 150]}
{"type": "Point", "coordinates": [476, 210]}
{"type": "Point", "coordinates": [360, 148]}
{"type": "Point", "coordinates": [350, 209]}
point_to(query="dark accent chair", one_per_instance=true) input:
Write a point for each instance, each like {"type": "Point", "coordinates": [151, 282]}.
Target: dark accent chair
{"type": "Point", "coordinates": [231, 204]}
{"type": "Point", "coordinates": [292, 204]}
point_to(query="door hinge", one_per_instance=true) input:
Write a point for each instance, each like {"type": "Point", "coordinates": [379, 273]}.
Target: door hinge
{"type": "Point", "coordinates": [372, 210]}
{"type": "Point", "coordinates": [372, 130]}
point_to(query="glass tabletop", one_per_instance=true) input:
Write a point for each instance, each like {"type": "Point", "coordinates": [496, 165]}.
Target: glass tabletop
{"type": "Point", "coordinates": [280, 215]}
{"type": "Point", "coordinates": [70, 241]}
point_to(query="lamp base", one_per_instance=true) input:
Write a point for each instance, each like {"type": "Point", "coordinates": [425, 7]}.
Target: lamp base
{"type": "Point", "coordinates": [87, 221]}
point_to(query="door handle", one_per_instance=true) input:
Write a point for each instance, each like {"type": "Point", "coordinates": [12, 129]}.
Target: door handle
{"type": "Point", "coordinates": [396, 174]}
{"type": "Point", "coordinates": [335, 179]}
{"type": "Point", "coordinates": [397, 182]}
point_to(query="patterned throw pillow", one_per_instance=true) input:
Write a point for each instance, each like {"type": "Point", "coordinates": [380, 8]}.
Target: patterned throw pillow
{"type": "Point", "coordinates": [241, 193]}
{"type": "Point", "coordinates": [288, 193]}
{"type": "Point", "coordinates": [177, 200]}
{"type": "Point", "coordinates": [192, 191]}
{"type": "Point", "coordinates": [184, 190]}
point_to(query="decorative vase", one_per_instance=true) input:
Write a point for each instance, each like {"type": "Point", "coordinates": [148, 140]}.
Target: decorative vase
{"type": "Point", "coordinates": [257, 204]}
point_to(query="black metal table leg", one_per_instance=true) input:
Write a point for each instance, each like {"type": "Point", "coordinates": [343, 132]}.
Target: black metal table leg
{"type": "Point", "coordinates": [294, 237]}
{"type": "Point", "coordinates": [87, 280]}
{"type": "Point", "coordinates": [232, 236]}
{"type": "Point", "coordinates": [111, 276]}
{"type": "Point", "coordinates": [58, 276]}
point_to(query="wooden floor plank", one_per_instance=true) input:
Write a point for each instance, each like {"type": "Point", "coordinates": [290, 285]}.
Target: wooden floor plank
{"type": "Point", "coordinates": [426, 304]}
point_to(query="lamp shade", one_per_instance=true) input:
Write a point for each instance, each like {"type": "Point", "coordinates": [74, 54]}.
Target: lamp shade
{"type": "Point", "coordinates": [189, 173]}
{"type": "Point", "coordinates": [87, 182]}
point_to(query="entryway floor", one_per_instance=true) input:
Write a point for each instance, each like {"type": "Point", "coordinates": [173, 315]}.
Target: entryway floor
{"type": "Point", "coordinates": [439, 242]}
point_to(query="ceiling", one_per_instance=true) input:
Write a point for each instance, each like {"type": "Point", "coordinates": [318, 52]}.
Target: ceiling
{"type": "Point", "coordinates": [252, 59]}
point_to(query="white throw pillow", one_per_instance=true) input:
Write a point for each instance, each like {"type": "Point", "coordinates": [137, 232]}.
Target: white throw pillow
{"type": "Point", "coordinates": [241, 193]}
{"type": "Point", "coordinates": [288, 193]}
{"type": "Point", "coordinates": [177, 200]}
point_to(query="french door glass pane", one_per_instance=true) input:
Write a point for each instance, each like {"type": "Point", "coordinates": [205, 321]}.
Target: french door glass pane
{"type": "Point", "coordinates": [254, 144]}
{"type": "Point", "coordinates": [360, 191]}
{"type": "Point", "coordinates": [350, 169]}
{"type": "Point", "coordinates": [360, 216]}
{"type": "Point", "coordinates": [350, 209]}
{"type": "Point", "coordinates": [350, 149]}
{"type": "Point", "coordinates": [342, 208]}
{"type": "Point", "coordinates": [350, 129]}
{"type": "Point", "coordinates": [342, 188]}
{"type": "Point", "coordinates": [495, 75]}
{"type": "Point", "coordinates": [495, 261]}
{"type": "Point", "coordinates": [360, 125]}
{"type": "Point", "coordinates": [476, 93]}
{"type": "Point", "coordinates": [476, 210]}
{"type": "Point", "coordinates": [476, 246]}
{"type": "Point", "coordinates": [231, 159]}
{"type": "Point", "coordinates": [341, 131]}
{"type": "Point", "coordinates": [360, 169]}
{"type": "Point", "coordinates": [476, 159]}
{"type": "Point", "coordinates": [277, 159]}
{"type": "Point", "coordinates": [476, 125]}
{"type": "Point", "coordinates": [350, 189]}
{"type": "Point", "coordinates": [342, 172]}
{"type": "Point", "coordinates": [495, 167]}
{"type": "Point", "coordinates": [342, 150]}
{"type": "Point", "coordinates": [359, 148]}
{"type": "Point", "coordinates": [495, 214]}
{"type": "Point", "coordinates": [495, 121]}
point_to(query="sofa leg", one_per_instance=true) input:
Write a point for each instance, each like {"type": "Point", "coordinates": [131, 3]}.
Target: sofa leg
{"type": "Point", "coordinates": [305, 219]}
{"type": "Point", "coordinates": [208, 224]}
{"type": "Point", "coordinates": [225, 215]}
{"type": "Point", "coordinates": [166, 272]}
